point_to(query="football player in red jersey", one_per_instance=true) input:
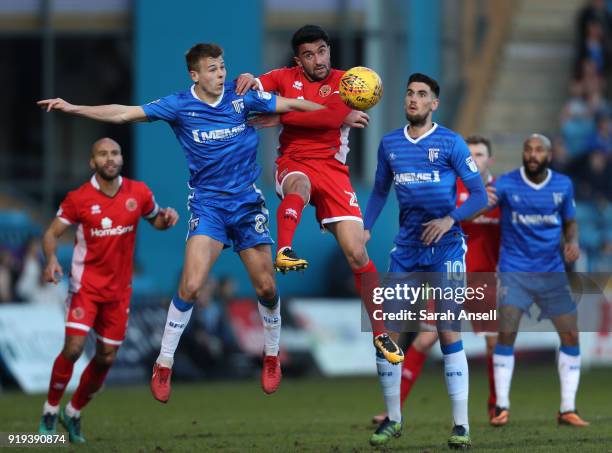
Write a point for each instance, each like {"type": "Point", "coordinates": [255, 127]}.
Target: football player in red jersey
{"type": "Point", "coordinates": [105, 211]}
{"type": "Point", "coordinates": [311, 167]}
{"type": "Point", "coordinates": [483, 238]}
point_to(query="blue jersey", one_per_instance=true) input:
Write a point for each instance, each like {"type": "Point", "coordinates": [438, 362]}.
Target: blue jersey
{"type": "Point", "coordinates": [424, 172]}
{"type": "Point", "coordinates": [532, 217]}
{"type": "Point", "coordinates": [220, 147]}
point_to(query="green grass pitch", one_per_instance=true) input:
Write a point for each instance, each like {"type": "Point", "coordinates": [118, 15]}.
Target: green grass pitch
{"type": "Point", "coordinates": [327, 415]}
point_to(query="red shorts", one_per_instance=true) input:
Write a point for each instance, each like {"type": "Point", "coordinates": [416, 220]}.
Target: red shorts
{"type": "Point", "coordinates": [331, 191]}
{"type": "Point", "coordinates": [108, 319]}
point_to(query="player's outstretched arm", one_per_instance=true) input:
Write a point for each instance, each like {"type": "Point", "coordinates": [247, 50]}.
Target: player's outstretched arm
{"type": "Point", "coordinates": [113, 113]}
{"type": "Point", "coordinates": [53, 271]}
{"type": "Point", "coordinates": [285, 105]}
{"type": "Point", "coordinates": [165, 218]}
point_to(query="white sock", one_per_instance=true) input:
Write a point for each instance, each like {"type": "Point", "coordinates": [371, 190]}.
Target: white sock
{"type": "Point", "coordinates": [569, 375]}
{"type": "Point", "coordinates": [503, 367]}
{"type": "Point", "coordinates": [48, 409]}
{"type": "Point", "coordinates": [271, 320]}
{"type": "Point", "coordinates": [457, 381]}
{"type": "Point", "coordinates": [71, 411]}
{"type": "Point", "coordinates": [390, 377]}
{"type": "Point", "coordinates": [179, 313]}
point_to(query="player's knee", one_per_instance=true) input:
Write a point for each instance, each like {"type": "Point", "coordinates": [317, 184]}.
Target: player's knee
{"type": "Point", "coordinates": [357, 256]}
{"type": "Point", "coordinates": [569, 338]}
{"type": "Point", "coordinates": [72, 351]}
{"type": "Point", "coordinates": [105, 358]}
{"type": "Point", "coordinates": [266, 290]}
{"type": "Point", "coordinates": [189, 290]}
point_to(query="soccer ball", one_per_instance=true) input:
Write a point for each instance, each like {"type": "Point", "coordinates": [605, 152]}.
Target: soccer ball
{"type": "Point", "coordinates": [360, 88]}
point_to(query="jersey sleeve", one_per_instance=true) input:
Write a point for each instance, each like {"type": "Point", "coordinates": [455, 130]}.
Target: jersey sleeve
{"type": "Point", "coordinates": [568, 208]}
{"type": "Point", "coordinates": [380, 192]}
{"type": "Point", "coordinates": [162, 109]}
{"type": "Point", "coordinates": [270, 80]}
{"type": "Point", "coordinates": [68, 212]}
{"type": "Point", "coordinates": [260, 101]}
{"type": "Point", "coordinates": [500, 190]}
{"type": "Point", "coordinates": [331, 117]}
{"type": "Point", "coordinates": [462, 161]}
{"type": "Point", "coordinates": [150, 208]}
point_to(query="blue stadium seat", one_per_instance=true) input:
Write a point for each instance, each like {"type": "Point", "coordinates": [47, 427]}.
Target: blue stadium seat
{"type": "Point", "coordinates": [16, 228]}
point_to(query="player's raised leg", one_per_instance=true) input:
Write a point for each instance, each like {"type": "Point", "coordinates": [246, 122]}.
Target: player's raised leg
{"type": "Point", "coordinates": [295, 189]}
{"type": "Point", "coordinates": [60, 376]}
{"type": "Point", "coordinates": [568, 364]}
{"type": "Point", "coordinates": [258, 261]}
{"type": "Point", "coordinates": [201, 252]}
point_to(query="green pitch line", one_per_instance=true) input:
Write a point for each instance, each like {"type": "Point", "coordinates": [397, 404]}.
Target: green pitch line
{"type": "Point", "coordinates": [326, 415]}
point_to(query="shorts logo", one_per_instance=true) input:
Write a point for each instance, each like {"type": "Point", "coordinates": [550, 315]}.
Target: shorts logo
{"type": "Point", "coordinates": [471, 164]}
{"type": "Point", "coordinates": [193, 223]}
{"type": "Point", "coordinates": [433, 154]}
{"type": "Point", "coordinates": [78, 313]}
{"type": "Point", "coordinates": [353, 200]}
{"type": "Point", "coordinates": [131, 204]}
{"type": "Point", "coordinates": [260, 223]}
{"type": "Point", "coordinates": [95, 209]}
{"type": "Point", "coordinates": [325, 91]}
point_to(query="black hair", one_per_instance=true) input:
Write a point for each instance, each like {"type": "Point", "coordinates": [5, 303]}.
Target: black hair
{"type": "Point", "coordinates": [480, 140]}
{"type": "Point", "coordinates": [307, 34]}
{"type": "Point", "coordinates": [431, 83]}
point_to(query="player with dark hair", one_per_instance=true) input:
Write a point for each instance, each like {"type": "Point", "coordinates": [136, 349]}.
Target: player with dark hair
{"type": "Point", "coordinates": [106, 211]}
{"type": "Point", "coordinates": [210, 122]}
{"type": "Point", "coordinates": [423, 161]}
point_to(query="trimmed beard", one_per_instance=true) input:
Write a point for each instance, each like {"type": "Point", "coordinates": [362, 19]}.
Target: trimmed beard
{"type": "Point", "coordinates": [538, 171]}
{"type": "Point", "coordinates": [105, 176]}
{"type": "Point", "coordinates": [416, 120]}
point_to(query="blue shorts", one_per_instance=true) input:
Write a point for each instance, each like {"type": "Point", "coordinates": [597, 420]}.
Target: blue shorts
{"type": "Point", "coordinates": [439, 267]}
{"type": "Point", "coordinates": [550, 291]}
{"type": "Point", "coordinates": [240, 219]}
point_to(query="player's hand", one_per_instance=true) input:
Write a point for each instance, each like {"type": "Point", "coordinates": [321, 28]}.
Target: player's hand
{"type": "Point", "coordinates": [169, 217]}
{"type": "Point", "coordinates": [53, 272]}
{"type": "Point", "coordinates": [435, 229]}
{"type": "Point", "coordinates": [571, 252]}
{"type": "Point", "coordinates": [366, 236]}
{"type": "Point", "coordinates": [492, 196]}
{"type": "Point", "coordinates": [261, 121]}
{"type": "Point", "coordinates": [244, 83]}
{"type": "Point", "coordinates": [55, 104]}
{"type": "Point", "coordinates": [357, 119]}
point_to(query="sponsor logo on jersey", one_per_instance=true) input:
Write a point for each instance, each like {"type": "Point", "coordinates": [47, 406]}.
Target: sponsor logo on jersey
{"type": "Point", "coordinates": [95, 209]}
{"type": "Point", "coordinates": [238, 105]}
{"type": "Point", "coordinates": [131, 204]}
{"type": "Point", "coordinates": [298, 85]}
{"type": "Point", "coordinates": [535, 219]}
{"type": "Point", "coordinates": [416, 177]}
{"type": "Point", "coordinates": [109, 230]}
{"type": "Point", "coordinates": [433, 154]}
{"type": "Point", "coordinates": [471, 164]}
{"type": "Point", "coordinates": [557, 198]}
{"type": "Point", "coordinates": [325, 91]}
{"type": "Point", "coordinates": [218, 134]}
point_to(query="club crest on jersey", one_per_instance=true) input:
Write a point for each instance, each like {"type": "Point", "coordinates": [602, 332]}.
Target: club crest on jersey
{"type": "Point", "coordinates": [95, 209]}
{"type": "Point", "coordinates": [557, 198]}
{"type": "Point", "coordinates": [298, 85]}
{"type": "Point", "coordinates": [325, 91]}
{"type": "Point", "coordinates": [433, 154]}
{"type": "Point", "coordinates": [238, 105]}
{"type": "Point", "coordinates": [131, 204]}
{"type": "Point", "coordinates": [471, 164]}
{"type": "Point", "coordinates": [78, 313]}
{"type": "Point", "coordinates": [193, 223]}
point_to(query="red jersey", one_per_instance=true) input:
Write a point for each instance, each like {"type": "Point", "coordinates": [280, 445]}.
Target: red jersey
{"type": "Point", "coordinates": [310, 135]}
{"type": "Point", "coordinates": [483, 236]}
{"type": "Point", "coordinates": [105, 236]}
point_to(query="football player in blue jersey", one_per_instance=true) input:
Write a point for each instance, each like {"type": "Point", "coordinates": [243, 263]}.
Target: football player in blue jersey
{"type": "Point", "coordinates": [210, 122]}
{"type": "Point", "coordinates": [538, 233]}
{"type": "Point", "coordinates": [423, 160]}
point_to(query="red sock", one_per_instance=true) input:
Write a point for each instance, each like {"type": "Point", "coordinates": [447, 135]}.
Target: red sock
{"type": "Point", "coordinates": [60, 376]}
{"type": "Point", "coordinates": [411, 369]}
{"type": "Point", "coordinates": [366, 279]}
{"type": "Point", "coordinates": [91, 380]}
{"type": "Point", "coordinates": [492, 395]}
{"type": "Point", "coordinates": [288, 216]}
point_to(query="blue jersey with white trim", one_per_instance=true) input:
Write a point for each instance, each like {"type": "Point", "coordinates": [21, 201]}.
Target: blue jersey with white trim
{"type": "Point", "coordinates": [532, 217]}
{"type": "Point", "coordinates": [220, 147]}
{"type": "Point", "coordinates": [424, 172]}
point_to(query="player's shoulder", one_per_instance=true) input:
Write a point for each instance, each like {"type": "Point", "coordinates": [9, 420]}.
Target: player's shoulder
{"type": "Point", "coordinates": [394, 137]}
{"type": "Point", "coordinates": [442, 132]}
{"type": "Point", "coordinates": [284, 72]}
{"type": "Point", "coordinates": [509, 178]}
{"type": "Point", "coordinates": [560, 178]}
{"type": "Point", "coordinates": [134, 186]}
{"type": "Point", "coordinates": [84, 190]}
{"type": "Point", "coordinates": [177, 98]}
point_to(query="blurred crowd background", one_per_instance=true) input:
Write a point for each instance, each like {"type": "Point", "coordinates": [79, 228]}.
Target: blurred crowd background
{"type": "Point", "coordinates": [507, 68]}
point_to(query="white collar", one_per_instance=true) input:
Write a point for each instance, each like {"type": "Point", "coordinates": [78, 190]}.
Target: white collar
{"type": "Point", "coordinates": [532, 184]}
{"type": "Point", "coordinates": [94, 181]}
{"type": "Point", "coordinates": [418, 139]}
{"type": "Point", "coordinates": [214, 104]}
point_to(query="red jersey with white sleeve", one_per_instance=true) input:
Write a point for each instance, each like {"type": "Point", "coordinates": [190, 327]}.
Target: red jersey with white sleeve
{"type": "Point", "coordinates": [105, 237]}
{"type": "Point", "coordinates": [483, 235]}
{"type": "Point", "coordinates": [310, 135]}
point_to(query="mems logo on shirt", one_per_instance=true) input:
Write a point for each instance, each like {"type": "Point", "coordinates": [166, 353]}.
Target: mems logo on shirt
{"type": "Point", "coordinates": [218, 134]}
{"type": "Point", "coordinates": [416, 177]}
{"type": "Point", "coordinates": [535, 219]}
{"type": "Point", "coordinates": [108, 230]}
